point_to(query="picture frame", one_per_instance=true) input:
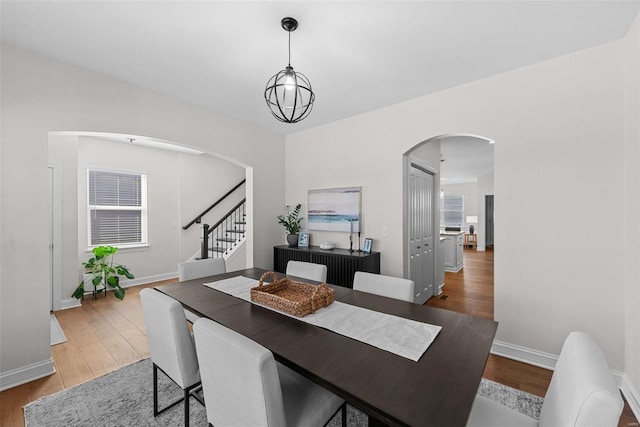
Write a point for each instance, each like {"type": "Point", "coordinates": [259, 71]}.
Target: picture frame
{"type": "Point", "coordinates": [367, 245]}
{"type": "Point", "coordinates": [334, 209]}
{"type": "Point", "coordinates": [303, 240]}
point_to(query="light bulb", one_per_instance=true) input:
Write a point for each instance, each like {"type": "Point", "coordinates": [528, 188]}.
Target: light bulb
{"type": "Point", "coordinates": [289, 79]}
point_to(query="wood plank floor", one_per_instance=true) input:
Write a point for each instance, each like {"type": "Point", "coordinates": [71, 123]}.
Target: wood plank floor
{"type": "Point", "coordinates": [106, 334]}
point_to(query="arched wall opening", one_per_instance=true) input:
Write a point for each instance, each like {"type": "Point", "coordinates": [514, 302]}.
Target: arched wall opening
{"type": "Point", "coordinates": [473, 158]}
{"type": "Point", "coordinates": [182, 181]}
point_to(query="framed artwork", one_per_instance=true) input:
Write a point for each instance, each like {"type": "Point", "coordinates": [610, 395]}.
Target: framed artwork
{"type": "Point", "coordinates": [303, 240]}
{"type": "Point", "coordinates": [367, 246]}
{"type": "Point", "coordinates": [334, 209]}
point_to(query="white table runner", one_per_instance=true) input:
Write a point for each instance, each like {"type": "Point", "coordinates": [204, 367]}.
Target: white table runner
{"type": "Point", "coordinates": [404, 337]}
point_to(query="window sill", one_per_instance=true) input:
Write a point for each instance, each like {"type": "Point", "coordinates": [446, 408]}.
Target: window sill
{"type": "Point", "coordinates": [127, 248]}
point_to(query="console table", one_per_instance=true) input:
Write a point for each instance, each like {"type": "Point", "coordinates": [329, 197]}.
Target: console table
{"type": "Point", "coordinates": [341, 264]}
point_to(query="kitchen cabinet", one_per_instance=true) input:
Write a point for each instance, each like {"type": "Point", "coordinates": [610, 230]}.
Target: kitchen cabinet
{"type": "Point", "coordinates": [453, 250]}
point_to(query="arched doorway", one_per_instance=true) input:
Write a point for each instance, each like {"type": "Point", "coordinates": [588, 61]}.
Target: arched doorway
{"type": "Point", "coordinates": [462, 169]}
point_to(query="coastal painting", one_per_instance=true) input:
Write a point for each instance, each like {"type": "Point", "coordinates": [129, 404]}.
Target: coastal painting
{"type": "Point", "coordinates": [334, 209]}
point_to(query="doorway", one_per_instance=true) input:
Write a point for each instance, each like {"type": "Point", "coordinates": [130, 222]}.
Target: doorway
{"type": "Point", "coordinates": [488, 220]}
{"type": "Point", "coordinates": [55, 236]}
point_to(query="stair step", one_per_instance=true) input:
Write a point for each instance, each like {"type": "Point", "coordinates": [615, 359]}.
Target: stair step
{"type": "Point", "coordinates": [240, 223]}
{"type": "Point", "coordinates": [220, 250]}
{"type": "Point", "coordinates": [236, 231]}
{"type": "Point", "coordinates": [226, 240]}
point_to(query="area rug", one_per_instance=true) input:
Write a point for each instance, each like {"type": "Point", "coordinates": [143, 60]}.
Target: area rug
{"type": "Point", "coordinates": [57, 336]}
{"type": "Point", "coordinates": [124, 398]}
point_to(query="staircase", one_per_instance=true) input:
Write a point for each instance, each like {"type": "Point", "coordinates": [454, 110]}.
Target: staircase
{"type": "Point", "coordinates": [220, 240]}
{"type": "Point", "coordinates": [227, 235]}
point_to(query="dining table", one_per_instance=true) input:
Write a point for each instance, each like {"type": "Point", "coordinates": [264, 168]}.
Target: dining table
{"type": "Point", "coordinates": [436, 390]}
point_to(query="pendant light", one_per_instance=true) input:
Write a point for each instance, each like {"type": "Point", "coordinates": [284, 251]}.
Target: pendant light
{"type": "Point", "coordinates": [288, 93]}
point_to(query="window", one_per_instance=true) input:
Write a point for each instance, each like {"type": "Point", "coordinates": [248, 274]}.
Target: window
{"type": "Point", "coordinates": [452, 211]}
{"type": "Point", "coordinates": [117, 208]}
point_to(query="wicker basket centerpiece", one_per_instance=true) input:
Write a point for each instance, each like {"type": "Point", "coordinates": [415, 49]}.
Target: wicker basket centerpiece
{"type": "Point", "coordinates": [296, 298]}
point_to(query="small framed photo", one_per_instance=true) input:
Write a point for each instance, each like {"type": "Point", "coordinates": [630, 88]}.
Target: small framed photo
{"type": "Point", "coordinates": [303, 240]}
{"type": "Point", "coordinates": [367, 246]}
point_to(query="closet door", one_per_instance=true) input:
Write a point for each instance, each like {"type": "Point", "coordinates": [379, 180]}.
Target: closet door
{"type": "Point", "coordinates": [421, 234]}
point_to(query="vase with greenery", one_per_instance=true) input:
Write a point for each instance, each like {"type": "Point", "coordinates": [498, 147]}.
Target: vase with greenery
{"type": "Point", "coordinates": [103, 273]}
{"type": "Point", "coordinates": [291, 223]}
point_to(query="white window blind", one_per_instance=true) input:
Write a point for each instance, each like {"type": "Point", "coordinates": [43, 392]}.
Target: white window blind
{"type": "Point", "coordinates": [117, 207]}
{"type": "Point", "coordinates": [452, 211]}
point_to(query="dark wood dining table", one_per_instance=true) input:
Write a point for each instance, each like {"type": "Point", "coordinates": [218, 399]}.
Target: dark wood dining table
{"type": "Point", "coordinates": [437, 390]}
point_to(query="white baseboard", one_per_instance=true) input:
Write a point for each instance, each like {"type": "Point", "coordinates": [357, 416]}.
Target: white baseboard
{"type": "Point", "coordinates": [69, 303]}
{"type": "Point", "coordinates": [536, 358]}
{"type": "Point", "coordinates": [632, 395]}
{"type": "Point", "coordinates": [524, 354]}
{"type": "Point", "coordinates": [149, 279]}
{"type": "Point", "coordinates": [26, 374]}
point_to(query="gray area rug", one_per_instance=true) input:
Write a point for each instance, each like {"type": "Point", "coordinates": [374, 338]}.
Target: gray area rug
{"type": "Point", "coordinates": [57, 336]}
{"type": "Point", "coordinates": [124, 398]}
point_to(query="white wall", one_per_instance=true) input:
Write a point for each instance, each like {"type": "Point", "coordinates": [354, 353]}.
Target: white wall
{"type": "Point", "coordinates": [558, 132]}
{"type": "Point", "coordinates": [631, 294]}
{"type": "Point", "coordinates": [203, 180]}
{"type": "Point", "coordinates": [39, 96]}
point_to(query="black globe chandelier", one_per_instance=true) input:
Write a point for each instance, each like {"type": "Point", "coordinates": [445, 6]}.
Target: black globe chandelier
{"type": "Point", "coordinates": [288, 93]}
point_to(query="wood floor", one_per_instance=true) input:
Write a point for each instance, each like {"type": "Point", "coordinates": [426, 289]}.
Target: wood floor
{"type": "Point", "coordinates": [105, 335]}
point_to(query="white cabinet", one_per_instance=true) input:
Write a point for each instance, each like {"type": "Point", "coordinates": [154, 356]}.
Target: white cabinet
{"type": "Point", "coordinates": [453, 254]}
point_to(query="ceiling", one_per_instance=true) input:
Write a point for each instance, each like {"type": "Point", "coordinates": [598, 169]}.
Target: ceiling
{"type": "Point", "coordinates": [464, 158]}
{"type": "Point", "coordinates": [359, 55]}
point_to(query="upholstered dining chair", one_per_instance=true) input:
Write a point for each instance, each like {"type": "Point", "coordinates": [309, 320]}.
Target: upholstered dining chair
{"type": "Point", "coordinates": [307, 270]}
{"type": "Point", "coordinates": [386, 286]}
{"type": "Point", "coordinates": [244, 386]}
{"type": "Point", "coordinates": [582, 392]}
{"type": "Point", "coordinates": [196, 269]}
{"type": "Point", "coordinates": [171, 347]}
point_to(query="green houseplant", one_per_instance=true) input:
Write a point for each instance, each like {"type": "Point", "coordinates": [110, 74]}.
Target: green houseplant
{"type": "Point", "coordinates": [103, 273]}
{"type": "Point", "coordinates": [291, 223]}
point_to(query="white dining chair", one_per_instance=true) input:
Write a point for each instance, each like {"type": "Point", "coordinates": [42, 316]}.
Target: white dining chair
{"type": "Point", "coordinates": [244, 386]}
{"type": "Point", "coordinates": [386, 286]}
{"type": "Point", "coordinates": [171, 347]}
{"type": "Point", "coordinates": [196, 269]}
{"type": "Point", "coordinates": [582, 392]}
{"type": "Point", "coordinates": [201, 268]}
{"type": "Point", "coordinates": [307, 270]}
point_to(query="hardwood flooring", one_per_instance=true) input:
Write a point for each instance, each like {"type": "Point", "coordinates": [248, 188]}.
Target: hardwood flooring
{"type": "Point", "coordinates": [106, 334]}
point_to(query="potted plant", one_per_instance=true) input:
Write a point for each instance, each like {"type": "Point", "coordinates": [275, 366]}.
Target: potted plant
{"type": "Point", "coordinates": [103, 273]}
{"type": "Point", "coordinates": [291, 223]}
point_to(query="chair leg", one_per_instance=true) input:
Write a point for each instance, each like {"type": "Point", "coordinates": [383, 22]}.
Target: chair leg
{"type": "Point", "coordinates": [186, 407]}
{"type": "Point", "coordinates": [344, 414]}
{"type": "Point", "coordinates": [155, 390]}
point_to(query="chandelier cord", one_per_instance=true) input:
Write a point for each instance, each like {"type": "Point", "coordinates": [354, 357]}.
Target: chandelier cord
{"type": "Point", "coordinates": [289, 48]}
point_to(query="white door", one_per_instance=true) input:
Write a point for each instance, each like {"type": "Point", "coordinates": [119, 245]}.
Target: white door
{"type": "Point", "coordinates": [421, 228]}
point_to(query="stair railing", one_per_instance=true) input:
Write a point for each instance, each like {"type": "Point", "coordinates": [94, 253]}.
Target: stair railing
{"type": "Point", "coordinates": [198, 218]}
{"type": "Point", "coordinates": [223, 236]}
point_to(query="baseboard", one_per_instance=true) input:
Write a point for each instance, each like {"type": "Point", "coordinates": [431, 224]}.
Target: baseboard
{"type": "Point", "coordinates": [69, 303]}
{"type": "Point", "coordinates": [149, 279]}
{"type": "Point", "coordinates": [139, 281]}
{"type": "Point", "coordinates": [536, 358]}
{"type": "Point", "coordinates": [524, 354]}
{"type": "Point", "coordinates": [632, 395]}
{"type": "Point", "coordinates": [26, 374]}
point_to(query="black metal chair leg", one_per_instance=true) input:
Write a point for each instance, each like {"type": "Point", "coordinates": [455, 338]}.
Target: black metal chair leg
{"type": "Point", "coordinates": [186, 407]}
{"type": "Point", "coordinates": [155, 390]}
{"type": "Point", "coordinates": [344, 414]}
